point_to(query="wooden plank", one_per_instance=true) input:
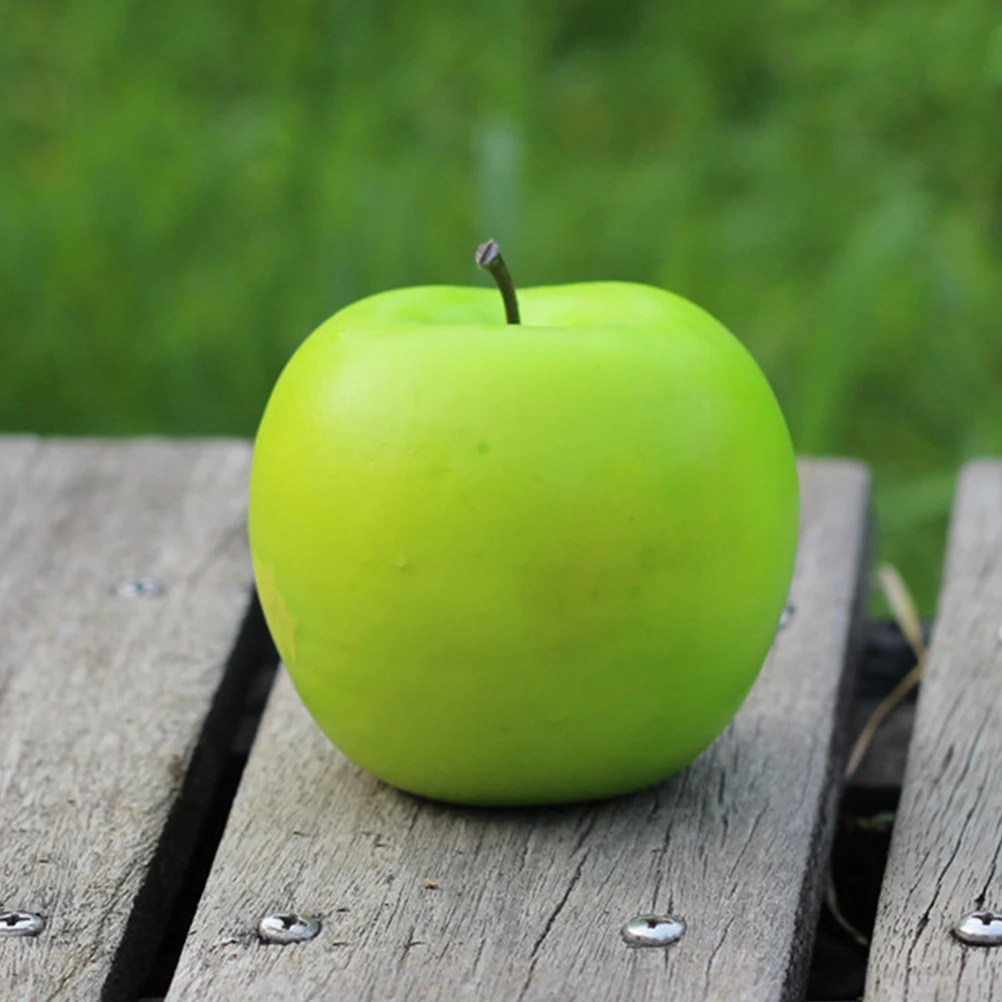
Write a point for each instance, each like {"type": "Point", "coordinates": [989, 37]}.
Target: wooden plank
{"type": "Point", "coordinates": [529, 904]}
{"type": "Point", "coordinates": [106, 701]}
{"type": "Point", "coordinates": [945, 851]}
{"type": "Point", "coordinates": [17, 457]}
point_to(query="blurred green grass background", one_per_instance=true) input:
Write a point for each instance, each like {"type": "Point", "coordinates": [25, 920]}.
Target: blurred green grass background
{"type": "Point", "coordinates": [187, 189]}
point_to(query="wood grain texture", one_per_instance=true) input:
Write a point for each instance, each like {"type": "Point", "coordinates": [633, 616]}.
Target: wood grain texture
{"type": "Point", "coordinates": [528, 905]}
{"type": "Point", "coordinates": [104, 700]}
{"type": "Point", "coordinates": [945, 851]}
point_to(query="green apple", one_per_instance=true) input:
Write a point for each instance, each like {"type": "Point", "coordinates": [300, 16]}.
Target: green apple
{"type": "Point", "coordinates": [522, 563]}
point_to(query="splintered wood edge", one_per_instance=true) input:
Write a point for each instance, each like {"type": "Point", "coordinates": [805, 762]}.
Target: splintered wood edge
{"type": "Point", "coordinates": [945, 849]}
{"type": "Point", "coordinates": [423, 900]}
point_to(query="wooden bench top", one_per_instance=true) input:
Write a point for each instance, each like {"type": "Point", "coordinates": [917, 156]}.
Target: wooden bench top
{"type": "Point", "coordinates": [134, 668]}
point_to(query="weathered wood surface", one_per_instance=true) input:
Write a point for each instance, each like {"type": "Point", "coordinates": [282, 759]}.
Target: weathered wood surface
{"type": "Point", "coordinates": [945, 851]}
{"type": "Point", "coordinates": [103, 698]}
{"type": "Point", "coordinates": [529, 904]}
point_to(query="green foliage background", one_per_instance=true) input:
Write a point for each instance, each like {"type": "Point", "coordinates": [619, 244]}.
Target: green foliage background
{"type": "Point", "coordinates": [187, 189]}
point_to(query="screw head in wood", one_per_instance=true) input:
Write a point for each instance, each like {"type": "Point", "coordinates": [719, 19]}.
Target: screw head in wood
{"type": "Point", "coordinates": [786, 615]}
{"type": "Point", "coordinates": [287, 928]}
{"type": "Point", "coordinates": [980, 928]}
{"type": "Point", "coordinates": [653, 930]}
{"type": "Point", "coordinates": [140, 588]}
{"type": "Point", "coordinates": [20, 924]}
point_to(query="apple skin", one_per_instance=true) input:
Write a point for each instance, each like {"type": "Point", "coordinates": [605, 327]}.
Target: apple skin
{"type": "Point", "coordinates": [512, 565]}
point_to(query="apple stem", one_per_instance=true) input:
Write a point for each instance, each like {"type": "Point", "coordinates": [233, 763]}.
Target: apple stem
{"type": "Point", "coordinates": [489, 258]}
